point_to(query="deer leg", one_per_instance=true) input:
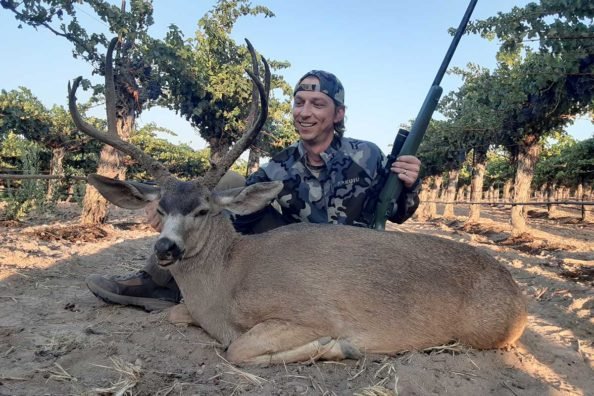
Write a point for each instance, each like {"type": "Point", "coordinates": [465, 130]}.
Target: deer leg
{"type": "Point", "coordinates": [281, 342]}
{"type": "Point", "coordinates": [179, 314]}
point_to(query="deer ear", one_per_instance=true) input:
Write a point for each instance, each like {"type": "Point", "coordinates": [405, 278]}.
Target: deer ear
{"type": "Point", "coordinates": [125, 194]}
{"type": "Point", "coordinates": [245, 200]}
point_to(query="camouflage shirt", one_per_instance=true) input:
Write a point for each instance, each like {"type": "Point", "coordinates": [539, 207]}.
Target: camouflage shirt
{"type": "Point", "coordinates": [336, 192]}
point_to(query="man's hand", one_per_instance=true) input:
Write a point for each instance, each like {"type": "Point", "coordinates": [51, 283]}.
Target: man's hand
{"type": "Point", "coordinates": [152, 217]}
{"type": "Point", "coordinates": [407, 167]}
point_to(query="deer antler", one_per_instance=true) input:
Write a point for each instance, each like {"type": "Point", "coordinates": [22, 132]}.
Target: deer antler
{"type": "Point", "coordinates": [156, 169]}
{"type": "Point", "coordinates": [217, 170]}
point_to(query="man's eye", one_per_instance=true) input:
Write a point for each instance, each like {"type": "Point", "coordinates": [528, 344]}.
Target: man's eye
{"type": "Point", "coordinates": [160, 212]}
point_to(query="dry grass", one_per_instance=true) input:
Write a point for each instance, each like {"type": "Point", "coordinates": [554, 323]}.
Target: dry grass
{"type": "Point", "coordinates": [244, 378]}
{"type": "Point", "coordinates": [386, 372]}
{"type": "Point", "coordinates": [129, 375]}
{"type": "Point", "coordinates": [60, 374]}
{"type": "Point", "coordinates": [176, 386]}
{"type": "Point", "coordinates": [453, 348]}
{"type": "Point", "coordinates": [378, 391]}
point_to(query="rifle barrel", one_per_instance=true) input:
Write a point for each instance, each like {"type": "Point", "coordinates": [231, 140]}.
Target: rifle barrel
{"type": "Point", "coordinates": [454, 44]}
{"type": "Point", "coordinates": [393, 186]}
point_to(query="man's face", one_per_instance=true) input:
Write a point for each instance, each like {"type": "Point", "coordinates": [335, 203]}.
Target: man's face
{"type": "Point", "coordinates": [314, 114]}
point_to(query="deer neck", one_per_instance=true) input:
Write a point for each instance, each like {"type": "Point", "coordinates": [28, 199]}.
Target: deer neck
{"type": "Point", "coordinates": [204, 279]}
{"type": "Point", "coordinates": [210, 247]}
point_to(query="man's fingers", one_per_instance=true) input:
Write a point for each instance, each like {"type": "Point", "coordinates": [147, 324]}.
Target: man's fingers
{"type": "Point", "coordinates": [409, 159]}
{"type": "Point", "coordinates": [407, 179]}
{"type": "Point", "coordinates": [400, 168]}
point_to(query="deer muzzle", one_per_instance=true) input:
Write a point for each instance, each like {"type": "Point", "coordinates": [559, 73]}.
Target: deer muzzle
{"type": "Point", "coordinates": [167, 251]}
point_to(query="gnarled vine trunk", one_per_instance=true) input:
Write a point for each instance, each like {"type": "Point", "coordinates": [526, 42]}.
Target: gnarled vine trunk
{"type": "Point", "coordinates": [56, 169]}
{"type": "Point", "coordinates": [95, 207]}
{"type": "Point", "coordinates": [422, 212]}
{"type": "Point", "coordinates": [450, 195]}
{"type": "Point", "coordinates": [476, 185]}
{"type": "Point", "coordinates": [583, 195]}
{"type": "Point", "coordinates": [253, 162]}
{"type": "Point", "coordinates": [434, 196]}
{"type": "Point", "coordinates": [551, 207]}
{"type": "Point", "coordinates": [527, 157]}
{"type": "Point", "coordinates": [218, 148]}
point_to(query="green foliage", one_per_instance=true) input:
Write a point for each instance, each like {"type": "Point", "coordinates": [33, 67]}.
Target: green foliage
{"type": "Point", "coordinates": [181, 160]}
{"type": "Point", "coordinates": [465, 175]}
{"type": "Point", "coordinates": [473, 111]}
{"type": "Point", "coordinates": [574, 164]}
{"type": "Point", "coordinates": [201, 78]}
{"type": "Point", "coordinates": [555, 143]}
{"type": "Point", "coordinates": [12, 148]}
{"type": "Point", "coordinates": [240, 166]}
{"type": "Point", "coordinates": [31, 193]}
{"type": "Point", "coordinates": [205, 80]}
{"type": "Point", "coordinates": [279, 131]}
{"type": "Point", "coordinates": [78, 193]}
{"type": "Point", "coordinates": [555, 26]}
{"type": "Point", "coordinates": [23, 114]}
{"type": "Point", "coordinates": [499, 168]}
{"type": "Point", "coordinates": [60, 18]}
{"type": "Point", "coordinates": [542, 80]}
{"type": "Point", "coordinates": [441, 149]}
{"type": "Point", "coordinates": [547, 74]}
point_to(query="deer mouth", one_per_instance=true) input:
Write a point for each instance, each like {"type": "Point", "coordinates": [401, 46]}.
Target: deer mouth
{"type": "Point", "coordinates": [166, 263]}
{"type": "Point", "coordinates": [165, 259]}
{"type": "Point", "coordinates": [167, 252]}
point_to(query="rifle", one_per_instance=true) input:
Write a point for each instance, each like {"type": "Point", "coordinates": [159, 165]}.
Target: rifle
{"type": "Point", "coordinates": [407, 143]}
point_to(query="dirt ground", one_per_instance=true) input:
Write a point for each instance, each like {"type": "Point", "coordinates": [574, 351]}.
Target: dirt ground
{"type": "Point", "coordinates": [57, 338]}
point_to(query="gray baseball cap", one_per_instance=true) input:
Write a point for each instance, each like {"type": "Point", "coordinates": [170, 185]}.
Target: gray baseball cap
{"type": "Point", "coordinates": [329, 85]}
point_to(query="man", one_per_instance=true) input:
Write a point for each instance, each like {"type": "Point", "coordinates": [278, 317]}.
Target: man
{"type": "Point", "coordinates": [327, 179]}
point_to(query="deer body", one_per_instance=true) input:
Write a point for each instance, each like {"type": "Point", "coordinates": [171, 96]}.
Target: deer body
{"type": "Point", "coordinates": [381, 292]}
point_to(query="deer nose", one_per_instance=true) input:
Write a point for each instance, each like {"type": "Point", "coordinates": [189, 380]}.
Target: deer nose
{"type": "Point", "coordinates": [167, 250]}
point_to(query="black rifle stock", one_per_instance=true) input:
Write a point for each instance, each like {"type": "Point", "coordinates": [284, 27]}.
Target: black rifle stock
{"type": "Point", "coordinates": [393, 187]}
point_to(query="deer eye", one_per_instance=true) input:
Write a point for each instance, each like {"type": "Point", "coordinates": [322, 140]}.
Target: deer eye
{"type": "Point", "coordinates": [201, 212]}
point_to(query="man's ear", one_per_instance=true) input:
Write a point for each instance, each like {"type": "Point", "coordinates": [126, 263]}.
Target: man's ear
{"type": "Point", "coordinates": [339, 114]}
{"type": "Point", "coordinates": [125, 194]}
{"type": "Point", "coordinates": [245, 200]}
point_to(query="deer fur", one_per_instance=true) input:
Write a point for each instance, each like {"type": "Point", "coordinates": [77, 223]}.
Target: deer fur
{"type": "Point", "coordinates": [307, 291]}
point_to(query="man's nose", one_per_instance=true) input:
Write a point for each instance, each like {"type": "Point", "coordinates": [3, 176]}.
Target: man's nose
{"type": "Point", "coordinates": [305, 110]}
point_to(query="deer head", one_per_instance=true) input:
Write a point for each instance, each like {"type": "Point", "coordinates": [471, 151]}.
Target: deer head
{"type": "Point", "coordinates": [188, 208]}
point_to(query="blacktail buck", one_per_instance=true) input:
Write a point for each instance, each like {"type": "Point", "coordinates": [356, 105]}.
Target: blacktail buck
{"type": "Point", "coordinates": [309, 291]}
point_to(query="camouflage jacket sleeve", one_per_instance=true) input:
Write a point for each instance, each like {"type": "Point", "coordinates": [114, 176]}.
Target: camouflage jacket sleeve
{"type": "Point", "coordinates": [407, 204]}
{"type": "Point", "coordinates": [408, 201]}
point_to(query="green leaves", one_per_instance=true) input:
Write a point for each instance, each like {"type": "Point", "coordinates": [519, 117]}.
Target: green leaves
{"type": "Point", "coordinates": [181, 159]}
{"type": "Point", "coordinates": [543, 79]}
{"type": "Point", "coordinates": [203, 79]}
{"type": "Point", "coordinates": [23, 114]}
{"type": "Point", "coordinates": [571, 164]}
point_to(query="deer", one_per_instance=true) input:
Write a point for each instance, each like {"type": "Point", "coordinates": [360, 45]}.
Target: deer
{"type": "Point", "coordinates": [304, 292]}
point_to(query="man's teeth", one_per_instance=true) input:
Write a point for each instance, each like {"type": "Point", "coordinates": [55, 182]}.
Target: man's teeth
{"type": "Point", "coordinates": [306, 124]}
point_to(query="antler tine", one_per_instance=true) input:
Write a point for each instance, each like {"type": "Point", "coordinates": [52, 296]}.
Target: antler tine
{"type": "Point", "coordinates": [217, 170]}
{"type": "Point", "coordinates": [155, 168]}
{"type": "Point", "coordinates": [110, 92]}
